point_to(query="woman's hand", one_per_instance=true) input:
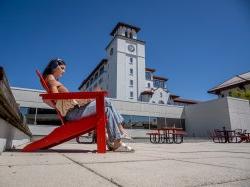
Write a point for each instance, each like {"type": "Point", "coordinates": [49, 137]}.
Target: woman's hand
{"type": "Point", "coordinates": [82, 102]}
{"type": "Point", "coordinates": [97, 89]}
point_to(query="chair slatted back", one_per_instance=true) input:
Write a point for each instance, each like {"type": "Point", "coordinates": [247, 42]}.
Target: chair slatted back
{"type": "Point", "coordinates": [45, 86]}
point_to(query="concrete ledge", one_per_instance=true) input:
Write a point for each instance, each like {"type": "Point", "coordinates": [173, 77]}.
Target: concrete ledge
{"type": "Point", "coordinates": [10, 136]}
{"type": "Point", "coordinates": [9, 110]}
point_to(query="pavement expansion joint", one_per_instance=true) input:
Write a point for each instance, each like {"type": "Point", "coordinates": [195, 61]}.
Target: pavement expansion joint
{"type": "Point", "coordinates": [126, 161]}
{"type": "Point", "coordinates": [164, 159]}
{"type": "Point", "coordinates": [209, 152]}
{"type": "Point", "coordinates": [225, 182]}
{"type": "Point", "coordinates": [19, 165]}
{"type": "Point", "coordinates": [228, 167]}
{"type": "Point", "coordinates": [93, 171]}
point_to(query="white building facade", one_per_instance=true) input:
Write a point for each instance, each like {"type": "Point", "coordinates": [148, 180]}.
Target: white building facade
{"type": "Point", "coordinates": [140, 117]}
{"type": "Point", "coordinates": [123, 73]}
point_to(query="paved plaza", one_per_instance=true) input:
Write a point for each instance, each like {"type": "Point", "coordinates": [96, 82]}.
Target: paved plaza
{"type": "Point", "coordinates": [188, 164]}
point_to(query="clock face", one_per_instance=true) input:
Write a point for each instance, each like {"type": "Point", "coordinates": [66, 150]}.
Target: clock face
{"type": "Point", "coordinates": [131, 48]}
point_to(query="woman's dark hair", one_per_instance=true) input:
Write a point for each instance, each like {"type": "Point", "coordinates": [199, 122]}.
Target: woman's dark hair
{"type": "Point", "coordinates": [52, 65]}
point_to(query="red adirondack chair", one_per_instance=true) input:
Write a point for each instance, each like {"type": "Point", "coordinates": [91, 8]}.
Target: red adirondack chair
{"type": "Point", "coordinates": [73, 129]}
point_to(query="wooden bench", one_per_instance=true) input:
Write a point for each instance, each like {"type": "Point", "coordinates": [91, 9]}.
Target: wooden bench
{"type": "Point", "coordinates": [9, 110]}
{"type": "Point", "coordinates": [13, 129]}
{"type": "Point", "coordinates": [73, 129]}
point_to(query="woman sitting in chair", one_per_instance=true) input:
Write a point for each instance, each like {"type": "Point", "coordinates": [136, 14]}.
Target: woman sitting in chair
{"type": "Point", "coordinates": [73, 109]}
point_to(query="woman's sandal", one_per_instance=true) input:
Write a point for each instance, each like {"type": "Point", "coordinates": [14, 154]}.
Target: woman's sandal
{"type": "Point", "coordinates": [124, 148]}
{"type": "Point", "coordinates": [110, 145]}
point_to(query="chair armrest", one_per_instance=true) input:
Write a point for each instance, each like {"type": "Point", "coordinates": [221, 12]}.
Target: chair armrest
{"type": "Point", "coordinates": [73, 95]}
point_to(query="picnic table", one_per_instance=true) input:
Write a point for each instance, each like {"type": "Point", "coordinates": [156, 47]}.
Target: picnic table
{"type": "Point", "coordinates": [167, 135]}
{"type": "Point", "coordinates": [230, 136]}
{"type": "Point", "coordinates": [245, 137]}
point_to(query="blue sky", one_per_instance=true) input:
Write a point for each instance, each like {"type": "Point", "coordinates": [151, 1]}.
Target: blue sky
{"type": "Point", "coordinates": [195, 44]}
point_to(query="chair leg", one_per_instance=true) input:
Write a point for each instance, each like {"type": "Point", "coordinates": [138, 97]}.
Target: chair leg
{"type": "Point", "coordinates": [222, 139]}
{"type": "Point", "coordinates": [170, 138]}
{"type": "Point", "coordinates": [101, 137]}
{"type": "Point", "coordinates": [150, 138]}
{"type": "Point", "coordinates": [154, 138]}
{"type": "Point", "coordinates": [163, 138]}
{"type": "Point", "coordinates": [178, 139]}
{"type": "Point", "coordinates": [157, 138]}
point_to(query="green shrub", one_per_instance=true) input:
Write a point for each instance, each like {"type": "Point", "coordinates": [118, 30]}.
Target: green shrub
{"type": "Point", "coordinates": [242, 94]}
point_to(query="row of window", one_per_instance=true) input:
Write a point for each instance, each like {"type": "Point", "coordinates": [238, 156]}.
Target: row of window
{"type": "Point", "coordinates": [131, 73]}
{"type": "Point", "coordinates": [149, 122]}
{"type": "Point", "coordinates": [159, 84]}
{"type": "Point", "coordinates": [95, 76]}
{"type": "Point", "coordinates": [42, 116]}
{"type": "Point", "coordinates": [129, 34]}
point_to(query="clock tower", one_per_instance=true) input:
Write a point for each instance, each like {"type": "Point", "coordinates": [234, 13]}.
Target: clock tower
{"type": "Point", "coordinates": [126, 63]}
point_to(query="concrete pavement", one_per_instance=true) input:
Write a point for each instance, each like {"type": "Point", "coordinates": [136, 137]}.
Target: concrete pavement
{"type": "Point", "coordinates": [187, 164]}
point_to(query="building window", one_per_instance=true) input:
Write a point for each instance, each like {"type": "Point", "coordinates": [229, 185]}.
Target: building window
{"type": "Point", "coordinates": [47, 117]}
{"type": "Point", "coordinates": [102, 70]}
{"type": "Point", "coordinates": [131, 71]}
{"type": "Point", "coordinates": [40, 116]}
{"type": "Point", "coordinates": [148, 85]}
{"type": "Point", "coordinates": [148, 75]}
{"type": "Point", "coordinates": [111, 51]}
{"type": "Point", "coordinates": [131, 35]}
{"type": "Point", "coordinates": [131, 94]}
{"type": "Point", "coordinates": [130, 60]}
{"type": "Point", "coordinates": [91, 81]}
{"type": "Point", "coordinates": [126, 33]}
{"type": "Point", "coordinates": [131, 82]}
{"type": "Point", "coordinates": [159, 84]}
{"type": "Point", "coordinates": [100, 81]}
{"type": "Point", "coordinates": [160, 94]}
{"type": "Point", "coordinates": [96, 76]}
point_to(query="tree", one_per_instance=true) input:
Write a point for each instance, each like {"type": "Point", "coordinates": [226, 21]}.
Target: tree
{"type": "Point", "coordinates": [242, 94]}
